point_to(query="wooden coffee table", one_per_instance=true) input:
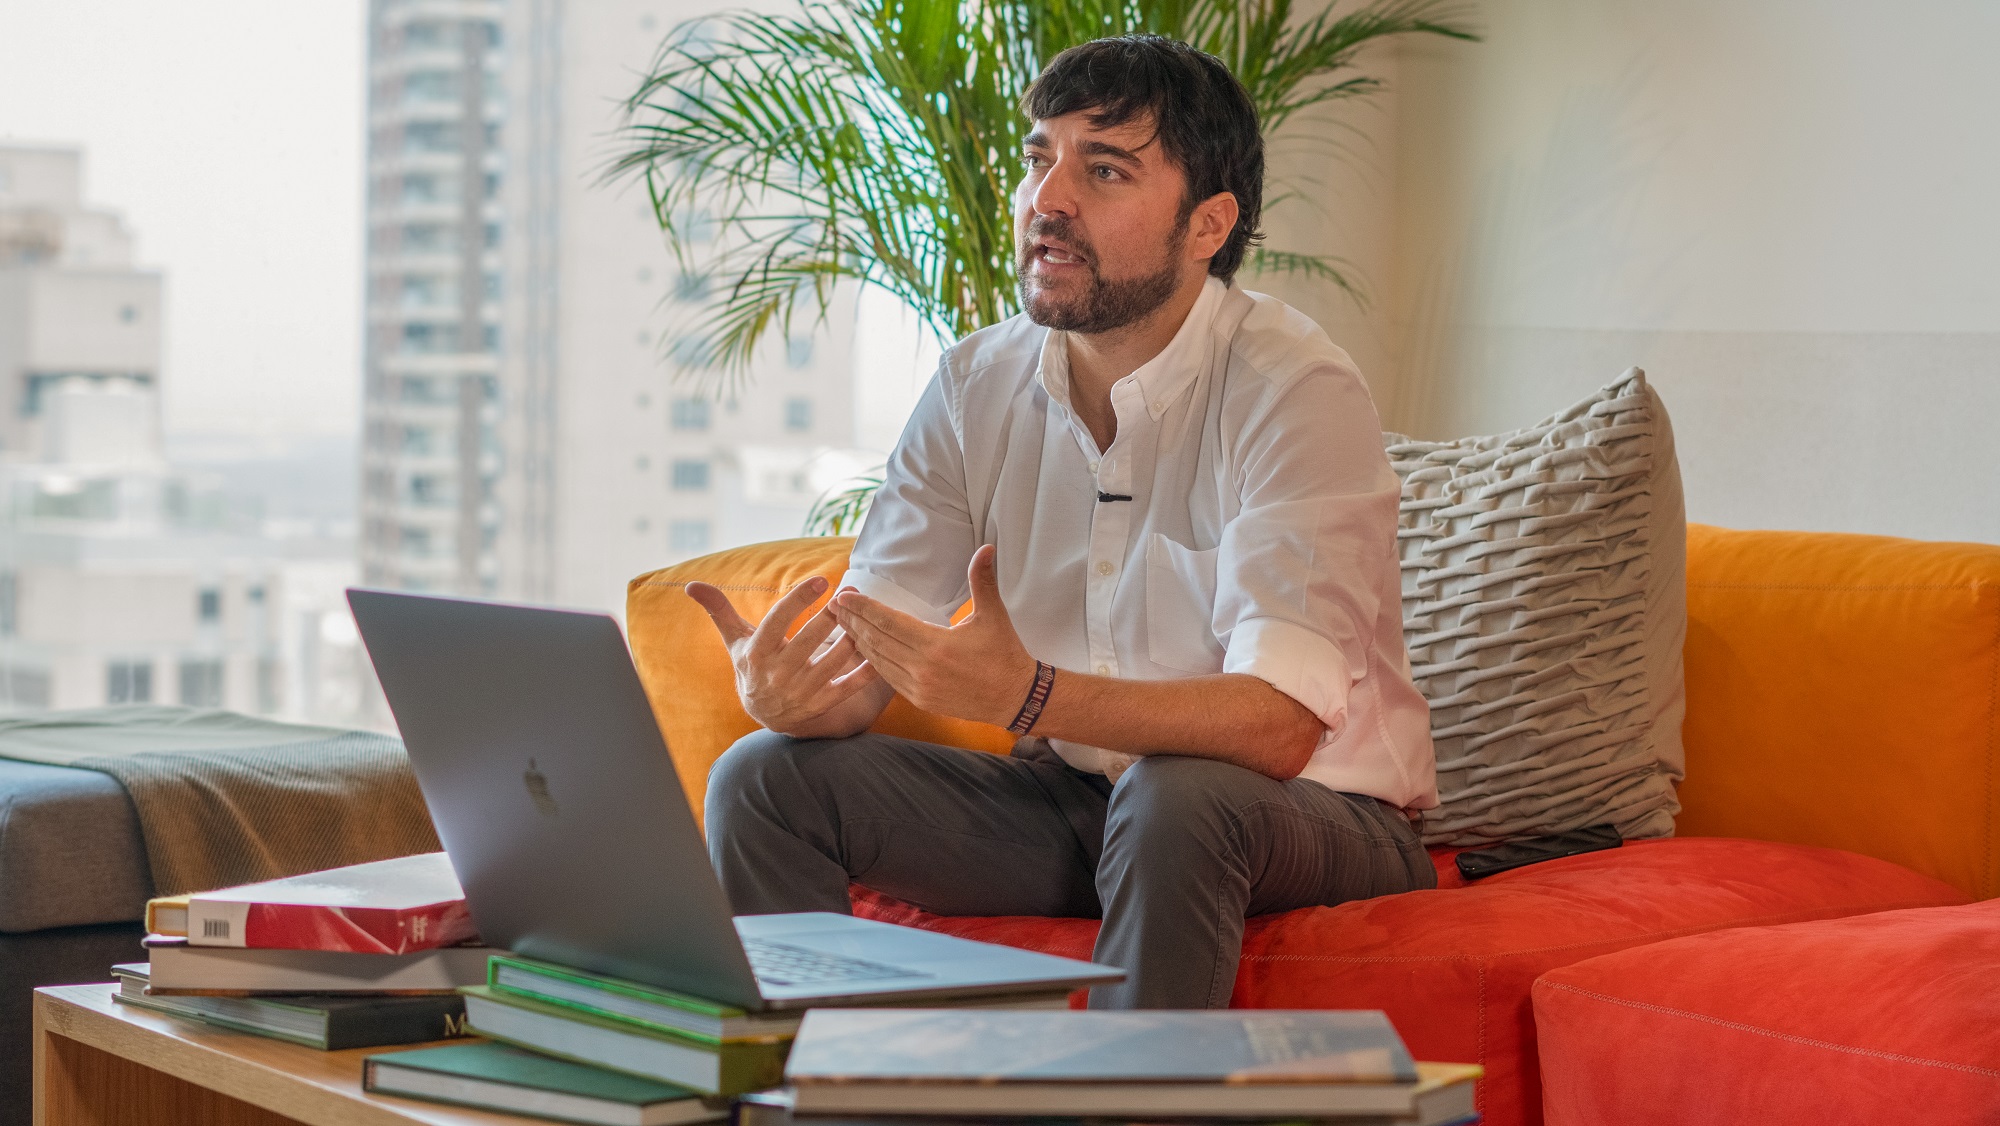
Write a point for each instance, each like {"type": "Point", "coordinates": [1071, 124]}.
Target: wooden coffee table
{"type": "Point", "coordinates": [104, 1064]}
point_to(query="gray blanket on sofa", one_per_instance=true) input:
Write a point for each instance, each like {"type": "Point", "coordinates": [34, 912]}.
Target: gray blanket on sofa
{"type": "Point", "coordinates": [224, 798]}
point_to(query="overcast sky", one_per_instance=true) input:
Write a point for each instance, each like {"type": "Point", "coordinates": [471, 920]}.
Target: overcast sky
{"type": "Point", "coordinates": [229, 134]}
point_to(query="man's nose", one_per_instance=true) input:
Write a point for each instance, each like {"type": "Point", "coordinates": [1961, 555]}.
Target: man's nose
{"type": "Point", "coordinates": [1055, 194]}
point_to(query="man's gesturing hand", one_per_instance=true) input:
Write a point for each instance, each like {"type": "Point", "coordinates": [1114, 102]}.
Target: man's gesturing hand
{"type": "Point", "coordinates": [782, 685]}
{"type": "Point", "coordinates": [975, 670]}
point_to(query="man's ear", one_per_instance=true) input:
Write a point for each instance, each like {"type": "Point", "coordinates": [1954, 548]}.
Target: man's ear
{"type": "Point", "coordinates": [1210, 225]}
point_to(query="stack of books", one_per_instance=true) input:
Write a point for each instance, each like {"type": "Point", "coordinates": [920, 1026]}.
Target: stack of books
{"type": "Point", "coordinates": [361, 956]}
{"type": "Point", "coordinates": [569, 1035]}
{"type": "Point", "coordinates": [1235, 1066]}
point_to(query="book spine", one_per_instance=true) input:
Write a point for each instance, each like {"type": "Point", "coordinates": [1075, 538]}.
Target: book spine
{"type": "Point", "coordinates": [401, 1023]}
{"type": "Point", "coordinates": [167, 915]}
{"type": "Point", "coordinates": [358, 930]}
{"type": "Point", "coordinates": [674, 1030]}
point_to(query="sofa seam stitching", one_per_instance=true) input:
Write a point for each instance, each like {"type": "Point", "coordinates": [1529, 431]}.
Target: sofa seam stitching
{"type": "Point", "coordinates": [1791, 1037]}
{"type": "Point", "coordinates": [1479, 1089]}
{"type": "Point", "coordinates": [1992, 737]}
{"type": "Point", "coordinates": [1765, 920]}
{"type": "Point", "coordinates": [1975, 584]}
{"type": "Point", "coordinates": [718, 586]}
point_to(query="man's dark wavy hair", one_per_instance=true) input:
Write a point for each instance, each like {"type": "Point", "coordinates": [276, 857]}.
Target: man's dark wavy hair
{"type": "Point", "coordinates": [1202, 116]}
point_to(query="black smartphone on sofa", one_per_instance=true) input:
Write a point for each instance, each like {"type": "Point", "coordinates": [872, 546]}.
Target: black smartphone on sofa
{"type": "Point", "coordinates": [1476, 862]}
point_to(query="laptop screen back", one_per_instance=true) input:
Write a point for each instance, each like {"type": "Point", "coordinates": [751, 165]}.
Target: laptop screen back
{"type": "Point", "coordinates": [551, 787]}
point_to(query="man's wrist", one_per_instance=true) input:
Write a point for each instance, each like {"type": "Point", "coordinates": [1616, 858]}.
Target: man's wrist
{"type": "Point", "coordinates": [1036, 699]}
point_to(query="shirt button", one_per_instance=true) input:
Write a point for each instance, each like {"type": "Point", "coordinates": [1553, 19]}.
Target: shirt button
{"type": "Point", "coordinates": [1104, 670]}
{"type": "Point", "coordinates": [1104, 566]}
{"type": "Point", "coordinates": [1093, 467]}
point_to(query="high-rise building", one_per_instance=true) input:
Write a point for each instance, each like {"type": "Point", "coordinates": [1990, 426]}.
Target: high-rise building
{"type": "Point", "coordinates": [430, 454]}
{"type": "Point", "coordinates": [122, 578]}
{"type": "Point", "coordinates": [529, 432]}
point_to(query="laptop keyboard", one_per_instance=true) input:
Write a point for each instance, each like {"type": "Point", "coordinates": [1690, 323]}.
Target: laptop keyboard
{"type": "Point", "coordinates": [782, 964]}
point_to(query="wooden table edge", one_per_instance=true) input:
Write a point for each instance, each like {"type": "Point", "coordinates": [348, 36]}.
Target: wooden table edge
{"type": "Point", "coordinates": [182, 1049]}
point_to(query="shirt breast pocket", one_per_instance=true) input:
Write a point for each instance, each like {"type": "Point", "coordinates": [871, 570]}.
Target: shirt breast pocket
{"type": "Point", "coordinates": [1180, 603]}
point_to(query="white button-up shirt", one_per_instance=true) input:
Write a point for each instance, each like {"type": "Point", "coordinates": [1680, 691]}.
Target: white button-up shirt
{"type": "Point", "coordinates": [1259, 536]}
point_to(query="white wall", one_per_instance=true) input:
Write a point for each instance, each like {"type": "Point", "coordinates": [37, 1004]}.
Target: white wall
{"type": "Point", "coordinates": [1785, 210]}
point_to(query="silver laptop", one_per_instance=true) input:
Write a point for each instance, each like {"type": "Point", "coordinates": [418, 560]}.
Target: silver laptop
{"type": "Point", "coordinates": [553, 792]}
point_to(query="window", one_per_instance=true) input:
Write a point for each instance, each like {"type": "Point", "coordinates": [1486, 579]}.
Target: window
{"type": "Point", "coordinates": [689, 352]}
{"type": "Point", "coordinates": [421, 187]}
{"type": "Point", "coordinates": [798, 413]}
{"type": "Point", "coordinates": [430, 490]}
{"type": "Point", "coordinates": [201, 682]}
{"type": "Point", "coordinates": [430, 137]}
{"type": "Point", "coordinates": [128, 682]}
{"type": "Point", "coordinates": [799, 351]}
{"type": "Point", "coordinates": [208, 605]}
{"type": "Point", "coordinates": [690, 414]}
{"type": "Point", "coordinates": [688, 535]}
{"type": "Point", "coordinates": [431, 86]}
{"type": "Point", "coordinates": [10, 603]}
{"type": "Point", "coordinates": [690, 474]}
{"type": "Point", "coordinates": [691, 287]}
{"type": "Point", "coordinates": [24, 686]}
{"type": "Point", "coordinates": [696, 227]}
{"type": "Point", "coordinates": [270, 684]}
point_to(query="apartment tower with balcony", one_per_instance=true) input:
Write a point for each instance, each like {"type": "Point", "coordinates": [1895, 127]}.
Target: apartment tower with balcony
{"type": "Point", "coordinates": [531, 432]}
{"type": "Point", "coordinates": [431, 454]}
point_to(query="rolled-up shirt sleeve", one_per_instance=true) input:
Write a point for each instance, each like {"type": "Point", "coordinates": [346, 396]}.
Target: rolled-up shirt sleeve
{"type": "Point", "coordinates": [918, 538]}
{"type": "Point", "coordinates": [1299, 570]}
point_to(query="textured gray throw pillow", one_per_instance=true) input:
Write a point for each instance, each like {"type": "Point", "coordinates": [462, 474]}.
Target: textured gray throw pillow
{"type": "Point", "coordinates": [1545, 603]}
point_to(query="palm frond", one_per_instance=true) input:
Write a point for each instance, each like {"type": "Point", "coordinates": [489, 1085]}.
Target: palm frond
{"type": "Point", "coordinates": [877, 141]}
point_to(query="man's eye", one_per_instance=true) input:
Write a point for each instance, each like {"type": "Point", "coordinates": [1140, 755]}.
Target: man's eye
{"type": "Point", "coordinates": [1104, 172]}
{"type": "Point", "coordinates": [1030, 160]}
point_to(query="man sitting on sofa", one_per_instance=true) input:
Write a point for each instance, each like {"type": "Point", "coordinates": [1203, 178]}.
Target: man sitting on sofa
{"type": "Point", "coordinates": [1168, 503]}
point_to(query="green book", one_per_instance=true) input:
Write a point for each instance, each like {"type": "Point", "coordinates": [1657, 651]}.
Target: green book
{"type": "Point", "coordinates": [710, 1022]}
{"type": "Point", "coordinates": [493, 1076]}
{"type": "Point", "coordinates": [646, 1005]}
{"type": "Point", "coordinates": [650, 1053]}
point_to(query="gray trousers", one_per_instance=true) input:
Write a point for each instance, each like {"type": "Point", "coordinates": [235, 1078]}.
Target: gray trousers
{"type": "Point", "coordinates": [1172, 858]}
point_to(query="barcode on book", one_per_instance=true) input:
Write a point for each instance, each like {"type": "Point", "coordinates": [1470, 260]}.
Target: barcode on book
{"type": "Point", "coordinates": [215, 928]}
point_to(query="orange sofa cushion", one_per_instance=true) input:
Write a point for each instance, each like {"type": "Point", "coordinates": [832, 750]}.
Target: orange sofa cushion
{"type": "Point", "coordinates": [1844, 691]}
{"type": "Point", "coordinates": [1453, 967]}
{"type": "Point", "coordinates": [1883, 1018]}
{"type": "Point", "coordinates": [686, 669]}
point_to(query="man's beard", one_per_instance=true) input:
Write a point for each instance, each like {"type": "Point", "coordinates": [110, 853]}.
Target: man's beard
{"type": "Point", "coordinates": [1105, 305]}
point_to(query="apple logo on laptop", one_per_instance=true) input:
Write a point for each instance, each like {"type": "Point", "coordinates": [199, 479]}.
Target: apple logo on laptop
{"type": "Point", "coordinates": [538, 789]}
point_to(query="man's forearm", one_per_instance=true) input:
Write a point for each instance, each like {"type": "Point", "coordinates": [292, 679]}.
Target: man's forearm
{"type": "Point", "coordinates": [1231, 717]}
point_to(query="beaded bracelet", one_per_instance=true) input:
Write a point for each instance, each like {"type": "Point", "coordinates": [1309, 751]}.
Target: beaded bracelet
{"type": "Point", "coordinates": [1038, 697]}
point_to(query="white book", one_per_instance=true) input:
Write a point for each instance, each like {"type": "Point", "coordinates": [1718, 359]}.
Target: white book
{"type": "Point", "coordinates": [178, 967]}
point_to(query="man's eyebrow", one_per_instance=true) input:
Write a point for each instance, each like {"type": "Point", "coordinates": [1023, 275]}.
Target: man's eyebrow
{"type": "Point", "coordinates": [1040, 140]}
{"type": "Point", "coordinates": [1105, 148]}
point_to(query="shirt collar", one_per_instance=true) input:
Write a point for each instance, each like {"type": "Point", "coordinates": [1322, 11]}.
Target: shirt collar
{"type": "Point", "coordinates": [1161, 379]}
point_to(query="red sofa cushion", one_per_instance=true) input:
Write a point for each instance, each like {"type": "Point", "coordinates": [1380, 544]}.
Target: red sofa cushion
{"type": "Point", "coordinates": [1452, 967]}
{"type": "Point", "coordinates": [1884, 1018]}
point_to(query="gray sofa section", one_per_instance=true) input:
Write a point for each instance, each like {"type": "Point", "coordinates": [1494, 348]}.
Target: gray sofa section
{"type": "Point", "coordinates": [73, 889]}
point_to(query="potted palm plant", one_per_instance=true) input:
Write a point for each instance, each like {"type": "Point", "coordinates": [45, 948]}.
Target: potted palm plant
{"type": "Point", "coordinates": [878, 141]}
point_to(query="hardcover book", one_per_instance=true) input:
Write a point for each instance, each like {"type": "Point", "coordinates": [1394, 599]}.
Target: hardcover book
{"type": "Point", "coordinates": [493, 1076]}
{"type": "Point", "coordinates": [395, 906]}
{"type": "Point", "coordinates": [179, 967]}
{"type": "Point", "coordinates": [653, 1007]}
{"type": "Point", "coordinates": [716, 1069]}
{"type": "Point", "coordinates": [323, 1022]}
{"type": "Point", "coordinates": [1236, 1063]}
